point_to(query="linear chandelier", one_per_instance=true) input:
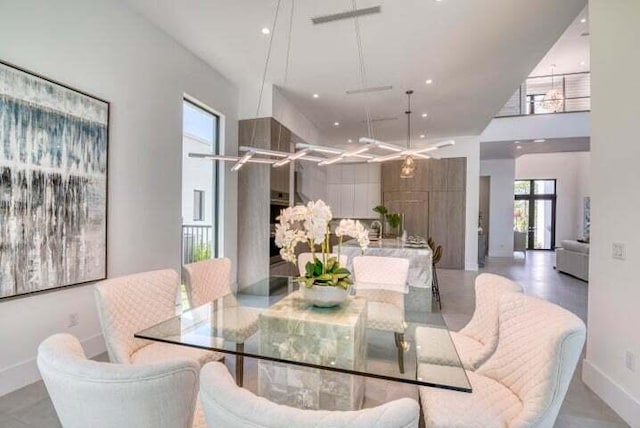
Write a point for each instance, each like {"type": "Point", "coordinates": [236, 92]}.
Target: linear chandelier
{"type": "Point", "coordinates": [322, 155]}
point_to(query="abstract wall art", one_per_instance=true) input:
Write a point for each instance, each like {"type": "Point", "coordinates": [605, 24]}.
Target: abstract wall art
{"type": "Point", "coordinates": [53, 184]}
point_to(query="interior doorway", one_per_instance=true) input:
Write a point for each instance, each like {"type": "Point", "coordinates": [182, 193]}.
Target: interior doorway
{"type": "Point", "coordinates": [483, 217]}
{"type": "Point", "coordinates": [534, 213]}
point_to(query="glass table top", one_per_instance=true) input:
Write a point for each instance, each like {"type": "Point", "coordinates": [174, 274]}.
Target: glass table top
{"type": "Point", "coordinates": [366, 335]}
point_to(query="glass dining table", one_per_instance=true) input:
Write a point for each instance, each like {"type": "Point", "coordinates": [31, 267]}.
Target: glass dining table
{"type": "Point", "coordinates": [315, 357]}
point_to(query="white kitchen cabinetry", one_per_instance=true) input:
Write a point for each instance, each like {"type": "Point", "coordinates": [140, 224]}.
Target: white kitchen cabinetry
{"type": "Point", "coordinates": [353, 190]}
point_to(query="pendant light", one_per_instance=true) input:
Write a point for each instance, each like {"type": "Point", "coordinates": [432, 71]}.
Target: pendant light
{"type": "Point", "coordinates": [554, 99]}
{"type": "Point", "coordinates": [409, 165]}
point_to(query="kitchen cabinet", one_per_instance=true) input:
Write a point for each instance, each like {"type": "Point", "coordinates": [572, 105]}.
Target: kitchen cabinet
{"type": "Point", "coordinates": [433, 203]}
{"type": "Point", "coordinates": [353, 190]}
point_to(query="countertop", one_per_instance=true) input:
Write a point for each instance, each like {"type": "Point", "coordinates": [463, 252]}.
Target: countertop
{"type": "Point", "coordinates": [386, 243]}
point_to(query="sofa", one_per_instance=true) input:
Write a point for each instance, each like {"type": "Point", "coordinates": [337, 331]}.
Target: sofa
{"type": "Point", "coordinates": [572, 258]}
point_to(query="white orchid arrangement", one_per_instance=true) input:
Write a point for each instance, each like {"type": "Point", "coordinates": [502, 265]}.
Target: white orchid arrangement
{"type": "Point", "coordinates": [310, 224]}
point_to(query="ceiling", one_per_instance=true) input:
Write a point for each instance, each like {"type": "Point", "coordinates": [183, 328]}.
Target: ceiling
{"type": "Point", "coordinates": [571, 52]}
{"type": "Point", "coordinates": [476, 52]}
{"type": "Point", "coordinates": [509, 149]}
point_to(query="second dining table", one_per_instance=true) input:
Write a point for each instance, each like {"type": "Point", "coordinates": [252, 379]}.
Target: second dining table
{"type": "Point", "coordinates": [312, 357]}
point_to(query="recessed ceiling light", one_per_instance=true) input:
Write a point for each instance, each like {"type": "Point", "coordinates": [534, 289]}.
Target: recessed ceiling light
{"type": "Point", "coordinates": [424, 115]}
{"type": "Point", "coordinates": [583, 63]}
{"type": "Point", "coordinates": [516, 142]}
{"type": "Point", "coordinates": [315, 95]}
{"type": "Point", "coordinates": [349, 140]}
{"type": "Point", "coordinates": [583, 20]}
{"type": "Point", "coordinates": [421, 135]}
{"type": "Point", "coordinates": [266, 31]}
{"type": "Point", "coordinates": [336, 123]}
{"type": "Point", "coordinates": [428, 81]}
{"type": "Point", "coordinates": [518, 147]}
{"type": "Point", "coordinates": [539, 140]}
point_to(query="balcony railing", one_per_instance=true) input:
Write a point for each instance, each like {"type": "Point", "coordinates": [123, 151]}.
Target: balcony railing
{"type": "Point", "coordinates": [527, 100]}
{"type": "Point", "coordinates": [196, 243]}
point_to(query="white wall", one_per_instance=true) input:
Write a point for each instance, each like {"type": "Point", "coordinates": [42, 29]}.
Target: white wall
{"type": "Point", "coordinates": [564, 125]}
{"type": "Point", "coordinates": [614, 286]}
{"type": "Point", "coordinates": [502, 173]}
{"type": "Point", "coordinates": [290, 116]}
{"type": "Point", "coordinates": [570, 170]}
{"type": "Point", "coordinates": [101, 47]}
{"type": "Point", "coordinates": [248, 96]}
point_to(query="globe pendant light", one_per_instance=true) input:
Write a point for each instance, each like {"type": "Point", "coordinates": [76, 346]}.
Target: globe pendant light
{"type": "Point", "coordinates": [409, 165]}
{"type": "Point", "coordinates": [554, 99]}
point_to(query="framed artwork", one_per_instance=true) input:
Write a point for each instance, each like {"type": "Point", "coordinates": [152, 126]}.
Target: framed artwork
{"type": "Point", "coordinates": [53, 184]}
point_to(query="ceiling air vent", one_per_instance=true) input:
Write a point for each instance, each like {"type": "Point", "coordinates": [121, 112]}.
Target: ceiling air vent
{"type": "Point", "coordinates": [346, 15]}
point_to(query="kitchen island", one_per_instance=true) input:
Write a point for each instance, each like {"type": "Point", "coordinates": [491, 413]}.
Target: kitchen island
{"type": "Point", "coordinates": [420, 271]}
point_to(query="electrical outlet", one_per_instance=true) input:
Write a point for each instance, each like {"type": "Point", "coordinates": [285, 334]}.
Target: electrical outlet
{"type": "Point", "coordinates": [630, 361]}
{"type": "Point", "coordinates": [618, 251]}
{"type": "Point", "coordinates": [73, 320]}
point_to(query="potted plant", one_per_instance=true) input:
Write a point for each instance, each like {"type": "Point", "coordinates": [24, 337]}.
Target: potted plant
{"type": "Point", "coordinates": [393, 219]}
{"type": "Point", "coordinates": [326, 282]}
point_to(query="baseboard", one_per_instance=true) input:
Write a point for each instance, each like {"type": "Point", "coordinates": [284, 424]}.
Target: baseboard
{"type": "Point", "coordinates": [501, 254]}
{"type": "Point", "coordinates": [623, 403]}
{"type": "Point", "coordinates": [26, 372]}
{"type": "Point", "coordinates": [470, 266]}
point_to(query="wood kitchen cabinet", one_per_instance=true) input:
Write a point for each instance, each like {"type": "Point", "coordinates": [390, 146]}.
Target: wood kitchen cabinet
{"type": "Point", "coordinates": [433, 203]}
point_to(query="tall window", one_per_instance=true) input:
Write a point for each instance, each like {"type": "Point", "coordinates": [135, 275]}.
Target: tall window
{"type": "Point", "coordinates": [199, 183]}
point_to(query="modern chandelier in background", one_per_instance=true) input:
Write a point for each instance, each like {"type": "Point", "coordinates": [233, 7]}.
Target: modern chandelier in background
{"type": "Point", "coordinates": [409, 165]}
{"type": "Point", "coordinates": [553, 100]}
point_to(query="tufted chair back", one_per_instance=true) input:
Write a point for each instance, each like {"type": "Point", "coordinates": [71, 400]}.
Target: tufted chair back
{"type": "Point", "coordinates": [305, 258]}
{"type": "Point", "coordinates": [483, 326]}
{"type": "Point", "coordinates": [227, 405]}
{"type": "Point", "coordinates": [87, 393]}
{"type": "Point", "coordinates": [388, 272]}
{"type": "Point", "coordinates": [132, 303]}
{"type": "Point", "coordinates": [208, 280]}
{"type": "Point", "coordinates": [539, 347]}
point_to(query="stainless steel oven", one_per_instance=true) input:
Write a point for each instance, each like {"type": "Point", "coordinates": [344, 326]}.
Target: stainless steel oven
{"type": "Point", "coordinates": [279, 201]}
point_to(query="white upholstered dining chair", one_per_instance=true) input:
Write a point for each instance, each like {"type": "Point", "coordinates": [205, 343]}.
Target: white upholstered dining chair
{"type": "Point", "coordinates": [226, 405]}
{"type": "Point", "coordinates": [209, 280]}
{"type": "Point", "coordinates": [129, 304]}
{"type": "Point", "coordinates": [478, 339]}
{"type": "Point", "coordinates": [383, 282]}
{"type": "Point", "coordinates": [92, 394]}
{"type": "Point", "coordinates": [523, 384]}
{"type": "Point", "coordinates": [304, 258]}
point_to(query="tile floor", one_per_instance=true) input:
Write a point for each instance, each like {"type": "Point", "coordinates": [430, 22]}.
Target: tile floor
{"type": "Point", "coordinates": [30, 407]}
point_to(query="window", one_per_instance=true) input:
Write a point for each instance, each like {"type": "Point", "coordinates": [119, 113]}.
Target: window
{"type": "Point", "coordinates": [200, 183]}
{"type": "Point", "coordinates": [198, 205]}
{"type": "Point", "coordinates": [534, 212]}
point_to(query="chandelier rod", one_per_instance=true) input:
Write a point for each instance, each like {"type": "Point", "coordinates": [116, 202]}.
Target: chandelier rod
{"type": "Point", "coordinates": [408, 112]}
{"type": "Point", "coordinates": [264, 71]}
{"type": "Point", "coordinates": [286, 67]}
{"type": "Point", "coordinates": [363, 70]}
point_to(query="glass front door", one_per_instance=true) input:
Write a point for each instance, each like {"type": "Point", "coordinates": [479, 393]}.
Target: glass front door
{"type": "Point", "coordinates": [535, 212]}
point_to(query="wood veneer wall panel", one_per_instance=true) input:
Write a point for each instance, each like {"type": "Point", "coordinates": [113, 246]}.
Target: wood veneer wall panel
{"type": "Point", "coordinates": [433, 202]}
{"type": "Point", "coordinates": [456, 174]}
